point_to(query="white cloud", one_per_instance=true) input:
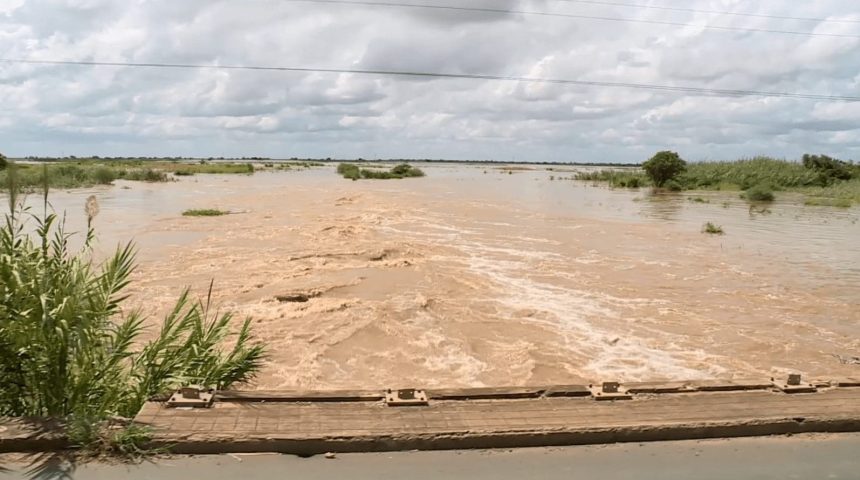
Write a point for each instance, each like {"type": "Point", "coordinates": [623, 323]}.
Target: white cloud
{"type": "Point", "coordinates": [126, 111]}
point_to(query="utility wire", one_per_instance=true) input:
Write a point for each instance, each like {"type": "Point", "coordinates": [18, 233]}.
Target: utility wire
{"type": "Point", "coordinates": [570, 15]}
{"type": "Point", "coordinates": [416, 74]}
{"type": "Point", "coordinates": [709, 12]}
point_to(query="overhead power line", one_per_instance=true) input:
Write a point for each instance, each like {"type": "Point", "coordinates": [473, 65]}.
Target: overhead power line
{"type": "Point", "coordinates": [571, 15]}
{"type": "Point", "coordinates": [415, 74]}
{"type": "Point", "coordinates": [709, 12]}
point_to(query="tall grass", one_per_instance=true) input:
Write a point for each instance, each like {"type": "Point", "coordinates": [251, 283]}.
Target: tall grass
{"type": "Point", "coordinates": [88, 173]}
{"type": "Point", "coordinates": [746, 173]}
{"type": "Point", "coordinates": [628, 178]}
{"type": "Point", "coordinates": [841, 192]}
{"type": "Point", "coordinates": [68, 348]}
{"type": "Point", "coordinates": [76, 175]}
{"type": "Point", "coordinates": [30, 177]}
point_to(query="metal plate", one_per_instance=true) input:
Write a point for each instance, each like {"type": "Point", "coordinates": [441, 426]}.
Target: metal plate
{"type": "Point", "coordinates": [407, 397]}
{"type": "Point", "coordinates": [191, 398]}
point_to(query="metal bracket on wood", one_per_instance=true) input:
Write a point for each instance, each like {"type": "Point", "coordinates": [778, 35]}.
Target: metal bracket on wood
{"type": "Point", "coordinates": [794, 384]}
{"type": "Point", "coordinates": [407, 397]}
{"type": "Point", "coordinates": [192, 396]}
{"type": "Point", "coordinates": [609, 391]}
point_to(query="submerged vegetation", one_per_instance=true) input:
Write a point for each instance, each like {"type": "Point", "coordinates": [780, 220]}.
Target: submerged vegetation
{"type": "Point", "coordinates": [615, 178]}
{"type": "Point", "coordinates": [70, 350]}
{"type": "Point", "coordinates": [816, 176]}
{"type": "Point", "coordinates": [712, 229]}
{"type": "Point", "coordinates": [204, 212]}
{"type": "Point", "coordinates": [212, 168]}
{"type": "Point", "coordinates": [353, 172]}
{"type": "Point", "coordinates": [827, 202]}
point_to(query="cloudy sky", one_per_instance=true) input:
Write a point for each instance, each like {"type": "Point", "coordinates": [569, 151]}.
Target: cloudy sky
{"type": "Point", "coordinates": [73, 110]}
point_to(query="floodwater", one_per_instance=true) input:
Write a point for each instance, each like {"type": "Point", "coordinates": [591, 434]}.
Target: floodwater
{"type": "Point", "coordinates": [474, 276]}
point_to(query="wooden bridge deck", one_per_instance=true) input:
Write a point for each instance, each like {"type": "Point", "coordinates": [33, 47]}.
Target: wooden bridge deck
{"type": "Point", "coordinates": [308, 423]}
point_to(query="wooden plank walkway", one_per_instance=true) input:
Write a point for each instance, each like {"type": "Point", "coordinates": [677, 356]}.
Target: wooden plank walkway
{"type": "Point", "coordinates": [343, 422]}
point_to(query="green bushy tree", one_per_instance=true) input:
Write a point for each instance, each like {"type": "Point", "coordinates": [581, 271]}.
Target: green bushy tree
{"type": "Point", "coordinates": [664, 166]}
{"type": "Point", "coordinates": [828, 168]}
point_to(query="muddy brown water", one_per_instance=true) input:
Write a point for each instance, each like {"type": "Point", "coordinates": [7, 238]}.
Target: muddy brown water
{"type": "Point", "coordinates": [473, 276]}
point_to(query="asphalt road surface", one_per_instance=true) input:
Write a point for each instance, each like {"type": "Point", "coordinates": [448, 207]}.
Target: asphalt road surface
{"type": "Point", "coordinates": [797, 457]}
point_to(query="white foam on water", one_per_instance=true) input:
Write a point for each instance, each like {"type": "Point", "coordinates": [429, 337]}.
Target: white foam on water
{"type": "Point", "coordinates": [535, 240]}
{"type": "Point", "coordinates": [446, 357]}
{"type": "Point", "coordinates": [569, 312]}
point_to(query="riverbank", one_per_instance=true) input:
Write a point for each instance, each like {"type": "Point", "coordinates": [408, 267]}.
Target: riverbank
{"type": "Point", "coordinates": [819, 186]}
{"type": "Point", "coordinates": [87, 173]}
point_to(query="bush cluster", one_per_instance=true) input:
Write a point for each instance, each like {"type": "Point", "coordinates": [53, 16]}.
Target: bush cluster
{"type": "Point", "coordinates": [352, 172]}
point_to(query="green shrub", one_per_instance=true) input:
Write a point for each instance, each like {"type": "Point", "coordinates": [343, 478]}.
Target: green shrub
{"type": "Point", "coordinates": [664, 166]}
{"type": "Point", "coordinates": [145, 175]}
{"type": "Point", "coordinates": [673, 186]}
{"type": "Point", "coordinates": [68, 348]}
{"type": "Point", "coordinates": [376, 174]}
{"type": "Point", "coordinates": [746, 173]}
{"type": "Point", "coordinates": [103, 175]}
{"type": "Point", "coordinates": [759, 193]}
{"type": "Point", "coordinates": [3, 162]}
{"type": "Point", "coordinates": [406, 170]}
{"type": "Point", "coordinates": [829, 168]}
{"type": "Point", "coordinates": [632, 182]}
{"type": "Point", "coordinates": [350, 171]}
